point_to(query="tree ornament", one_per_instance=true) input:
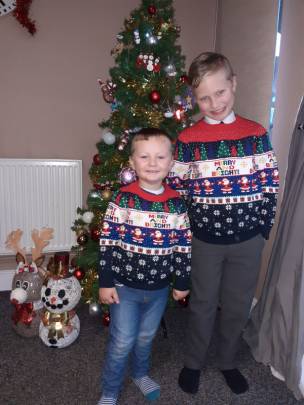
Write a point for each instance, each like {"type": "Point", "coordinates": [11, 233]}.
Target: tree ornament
{"type": "Point", "coordinates": [179, 113]}
{"type": "Point", "coordinates": [106, 319]}
{"type": "Point", "coordinates": [96, 159]}
{"type": "Point", "coordinates": [106, 194]}
{"type": "Point", "coordinates": [108, 138]}
{"type": "Point", "coordinates": [79, 273]}
{"type": "Point", "coordinates": [170, 70]}
{"type": "Point", "coordinates": [82, 239]}
{"type": "Point", "coordinates": [184, 79]}
{"type": "Point", "coordinates": [154, 97]}
{"type": "Point", "coordinates": [127, 175]}
{"type": "Point", "coordinates": [95, 234]}
{"type": "Point", "coordinates": [107, 89]}
{"type": "Point", "coordinates": [94, 309]}
{"type": "Point", "coordinates": [21, 13]}
{"type": "Point", "coordinates": [151, 9]}
{"type": "Point", "coordinates": [87, 217]}
{"type": "Point", "coordinates": [168, 113]}
{"type": "Point", "coordinates": [136, 36]}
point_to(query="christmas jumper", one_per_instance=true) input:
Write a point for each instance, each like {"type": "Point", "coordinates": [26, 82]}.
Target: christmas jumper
{"type": "Point", "coordinates": [145, 239]}
{"type": "Point", "coordinates": [229, 174]}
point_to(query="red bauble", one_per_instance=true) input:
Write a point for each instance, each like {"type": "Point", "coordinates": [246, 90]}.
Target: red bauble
{"type": "Point", "coordinates": [184, 79]}
{"type": "Point", "coordinates": [154, 97]}
{"type": "Point", "coordinates": [106, 319]}
{"type": "Point", "coordinates": [96, 159]}
{"type": "Point", "coordinates": [152, 9]}
{"type": "Point", "coordinates": [95, 234]}
{"type": "Point", "coordinates": [79, 273]}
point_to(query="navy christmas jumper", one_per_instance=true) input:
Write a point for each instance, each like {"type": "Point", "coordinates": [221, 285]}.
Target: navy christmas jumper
{"type": "Point", "coordinates": [229, 174]}
{"type": "Point", "coordinates": [145, 240]}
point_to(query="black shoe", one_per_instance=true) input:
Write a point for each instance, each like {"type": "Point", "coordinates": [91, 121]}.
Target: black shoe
{"type": "Point", "coordinates": [235, 381]}
{"type": "Point", "coordinates": [188, 380]}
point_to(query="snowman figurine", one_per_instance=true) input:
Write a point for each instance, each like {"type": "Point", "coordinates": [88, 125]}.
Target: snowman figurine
{"type": "Point", "coordinates": [60, 324]}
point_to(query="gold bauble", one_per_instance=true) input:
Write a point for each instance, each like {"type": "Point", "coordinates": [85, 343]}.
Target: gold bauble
{"type": "Point", "coordinates": [106, 194]}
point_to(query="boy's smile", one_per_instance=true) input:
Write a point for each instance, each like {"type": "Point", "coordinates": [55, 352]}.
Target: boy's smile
{"type": "Point", "coordinates": [152, 159]}
{"type": "Point", "coordinates": [215, 95]}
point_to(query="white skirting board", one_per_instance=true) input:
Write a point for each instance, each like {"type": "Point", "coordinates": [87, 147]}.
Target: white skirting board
{"type": "Point", "coordinates": [6, 277]}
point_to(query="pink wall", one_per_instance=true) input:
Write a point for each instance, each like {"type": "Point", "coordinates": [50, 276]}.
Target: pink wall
{"type": "Point", "coordinates": [50, 101]}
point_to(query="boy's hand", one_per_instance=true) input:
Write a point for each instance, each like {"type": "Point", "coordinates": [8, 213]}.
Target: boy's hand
{"type": "Point", "coordinates": [108, 296]}
{"type": "Point", "coordinates": [179, 295]}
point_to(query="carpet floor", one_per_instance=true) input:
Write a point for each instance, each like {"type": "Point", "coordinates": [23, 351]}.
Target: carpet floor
{"type": "Point", "coordinates": [33, 374]}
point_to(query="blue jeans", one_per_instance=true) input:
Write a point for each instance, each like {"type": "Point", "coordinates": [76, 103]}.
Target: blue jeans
{"type": "Point", "coordinates": [134, 323]}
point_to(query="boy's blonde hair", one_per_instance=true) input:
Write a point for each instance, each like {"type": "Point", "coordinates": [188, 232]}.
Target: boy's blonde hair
{"type": "Point", "coordinates": [147, 133]}
{"type": "Point", "coordinates": [208, 62]}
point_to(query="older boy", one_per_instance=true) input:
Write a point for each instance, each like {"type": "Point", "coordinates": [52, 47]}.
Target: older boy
{"type": "Point", "coordinates": [146, 240]}
{"type": "Point", "coordinates": [226, 166]}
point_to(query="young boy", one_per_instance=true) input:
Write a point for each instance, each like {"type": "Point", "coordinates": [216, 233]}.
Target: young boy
{"type": "Point", "coordinates": [226, 166]}
{"type": "Point", "coordinates": [145, 240]}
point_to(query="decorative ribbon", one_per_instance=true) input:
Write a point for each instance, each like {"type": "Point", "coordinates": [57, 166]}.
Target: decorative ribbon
{"type": "Point", "coordinates": [55, 324]}
{"type": "Point", "coordinates": [24, 313]}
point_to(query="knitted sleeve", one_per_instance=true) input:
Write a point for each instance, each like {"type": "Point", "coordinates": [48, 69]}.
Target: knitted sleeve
{"type": "Point", "coordinates": [182, 250]}
{"type": "Point", "coordinates": [267, 167]}
{"type": "Point", "coordinates": [110, 239]}
{"type": "Point", "coordinates": [179, 174]}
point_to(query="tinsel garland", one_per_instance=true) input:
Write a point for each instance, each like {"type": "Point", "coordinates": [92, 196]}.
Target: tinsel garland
{"type": "Point", "coordinates": [21, 14]}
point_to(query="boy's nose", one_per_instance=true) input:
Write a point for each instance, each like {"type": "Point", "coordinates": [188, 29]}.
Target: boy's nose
{"type": "Point", "coordinates": [213, 103]}
{"type": "Point", "coordinates": [152, 161]}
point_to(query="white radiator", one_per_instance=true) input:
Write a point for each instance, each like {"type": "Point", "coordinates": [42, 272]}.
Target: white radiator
{"type": "Point", "coordinates": [37, 193]}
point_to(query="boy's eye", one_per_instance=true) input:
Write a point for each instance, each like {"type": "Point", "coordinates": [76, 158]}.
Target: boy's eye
{"type": "Point", "coordinates": [220, 92]}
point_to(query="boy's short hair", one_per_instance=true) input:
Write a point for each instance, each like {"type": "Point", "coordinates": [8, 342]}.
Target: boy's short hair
{"type": "Point", "coordinates": [208, 62]}
{"type": "Point", "coordinates": [147, 133]}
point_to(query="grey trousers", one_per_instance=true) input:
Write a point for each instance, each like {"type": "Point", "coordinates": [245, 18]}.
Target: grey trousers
{"type": "Point", "coordinates": [225, 275]}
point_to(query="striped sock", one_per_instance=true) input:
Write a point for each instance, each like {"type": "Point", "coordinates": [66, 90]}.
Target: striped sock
{"type": "Point", "coordinates": [148, 387]}
{"type": "Point", "coordinates": [107, 401]}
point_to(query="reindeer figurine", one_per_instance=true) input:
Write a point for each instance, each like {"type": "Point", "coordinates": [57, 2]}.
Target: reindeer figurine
{"type": "Point", "coordinates": [28, 281]}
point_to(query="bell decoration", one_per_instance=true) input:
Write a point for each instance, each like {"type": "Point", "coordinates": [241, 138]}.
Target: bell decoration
{"type": "Point", "coordinates": [170, 70]}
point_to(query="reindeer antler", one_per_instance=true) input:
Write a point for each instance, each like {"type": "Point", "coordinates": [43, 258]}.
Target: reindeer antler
{"type": "Point", "coordinates": [41, 240]}
{"type": "Point", "coordinates": [13, 242]}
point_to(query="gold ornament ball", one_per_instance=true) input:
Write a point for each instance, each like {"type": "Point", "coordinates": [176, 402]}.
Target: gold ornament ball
{"type": "Point", "coordinates": [106, 194]}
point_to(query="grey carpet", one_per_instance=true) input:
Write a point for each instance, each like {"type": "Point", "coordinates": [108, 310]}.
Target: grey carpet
{"type": "Point", "coordinates": [33, 374]}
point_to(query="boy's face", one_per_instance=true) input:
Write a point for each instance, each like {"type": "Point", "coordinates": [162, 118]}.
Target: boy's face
{"type": "Point", "coordinates": [152, 159]}
{"type": "Point", "coordinates": [215, 95]}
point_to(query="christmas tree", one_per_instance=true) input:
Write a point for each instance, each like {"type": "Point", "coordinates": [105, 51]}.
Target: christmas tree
{"type": "Point", "coordinates": [147, 88]}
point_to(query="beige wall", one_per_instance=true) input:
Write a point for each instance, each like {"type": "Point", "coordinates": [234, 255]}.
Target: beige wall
{"type": "Point", "coordinates": [246, 32]}
{"type": "Point", "coordinates": [50, 101]}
